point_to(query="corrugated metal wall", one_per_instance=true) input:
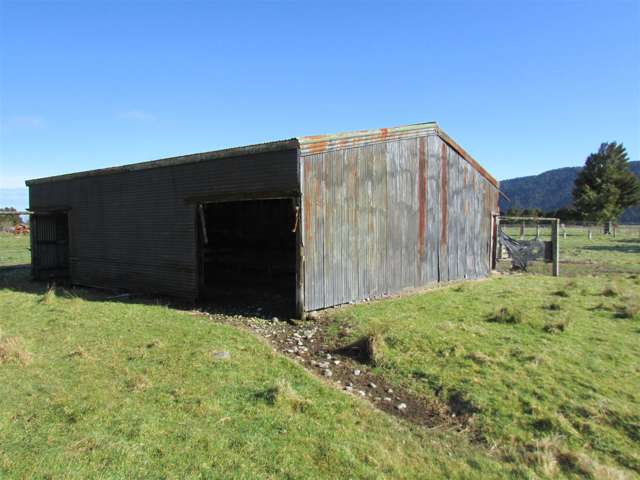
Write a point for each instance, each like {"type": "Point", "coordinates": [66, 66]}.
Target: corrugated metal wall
{"type": "Point", "coordinates": [387, 216]}
{"type": "Point", "coordinates": [135, 230]}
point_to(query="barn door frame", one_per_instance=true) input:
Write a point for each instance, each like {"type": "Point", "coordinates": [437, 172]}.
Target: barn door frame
{"type": "Point", "coordinates": [60, 229]}
{"type": "Point", "coordinates": [297, 214]}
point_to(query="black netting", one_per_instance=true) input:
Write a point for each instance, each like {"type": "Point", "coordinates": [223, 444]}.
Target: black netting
{"type": "Point", "coordinates": [522, 251]}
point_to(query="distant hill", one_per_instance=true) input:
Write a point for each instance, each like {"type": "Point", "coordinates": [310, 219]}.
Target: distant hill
{"type": "Point", "coordinates": [551, 190]}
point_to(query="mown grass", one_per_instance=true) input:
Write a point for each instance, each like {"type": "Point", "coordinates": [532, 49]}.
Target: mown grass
{"type": "Point", "coordinates": [548, 368]}
{"type": "Point", "coordinates": [537, 369]}
{"type": "Point", "coordinates": [14, 249]}
{"type": "Point", "coordinates": [126, 390]}
{"type": "Point", "coordinates": [581, 256]}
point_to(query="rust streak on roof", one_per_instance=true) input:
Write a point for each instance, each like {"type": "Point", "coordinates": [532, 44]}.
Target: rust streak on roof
{"type": "Point", "coordinates": [306, 145]}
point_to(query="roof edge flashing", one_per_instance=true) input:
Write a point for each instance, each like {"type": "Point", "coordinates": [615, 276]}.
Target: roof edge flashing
{"type": "Point", "coordinates": [313, 144]}
{"type": "Point", "coordinates": [464, 154]}
{"type": "Point", "coordinates": [282, 145]}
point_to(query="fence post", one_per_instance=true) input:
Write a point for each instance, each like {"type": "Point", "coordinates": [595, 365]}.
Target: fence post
{"type": "Point", "coordinates": [522, 230]}
{"type": "Point", "coordinates": [496, 251]}
{"type": "Point", "coordinates": [589, 233]}
{"type": "Point", "coordinates": [537, 231]}
{"type": "Point", "coordinates": [555, 247]}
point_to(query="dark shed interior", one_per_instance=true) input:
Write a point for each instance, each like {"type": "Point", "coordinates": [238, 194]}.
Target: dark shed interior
{"type": "Point", "coordinates": [247, 253]}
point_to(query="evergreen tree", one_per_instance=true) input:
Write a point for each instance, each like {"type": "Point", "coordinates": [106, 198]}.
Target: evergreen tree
{"type": "Point", "coordinates": [606, 186]}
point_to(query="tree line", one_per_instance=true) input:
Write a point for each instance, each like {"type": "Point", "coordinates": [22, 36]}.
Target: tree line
{"type": "Point", "coordinates": [8, 218]}
{"type": "Point", "coordinates": [603, 189]}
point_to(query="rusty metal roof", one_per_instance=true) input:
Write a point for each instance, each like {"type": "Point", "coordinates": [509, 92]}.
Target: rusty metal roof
{"type": "Point", "coordinates": [321, 143]}
{"type": "Point", "coordinates": [307, 145]}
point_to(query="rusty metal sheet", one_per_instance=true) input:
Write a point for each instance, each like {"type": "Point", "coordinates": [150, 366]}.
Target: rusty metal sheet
{"type": "Point", "coordinates": [422, 208]}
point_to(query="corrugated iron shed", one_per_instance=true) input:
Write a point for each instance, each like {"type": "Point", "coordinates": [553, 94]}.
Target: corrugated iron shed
{"type": "Point", "coordinates": [377, 211]}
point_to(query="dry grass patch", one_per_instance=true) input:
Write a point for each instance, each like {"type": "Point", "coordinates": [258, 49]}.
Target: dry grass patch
{"type": "Point", "coordinates": [283, 395]}
{"type": "Point", "coordinates": [12, 350]}
{"type": "Point", "coordinates": [374, 346]}
{"type": "Point", "coordinates": [556, 326]}
{"type": "Point", "coordinates": [156, 343]}
{"type": "Point", "coordinates": [49, 296]}
{"type": "Point", "coordinates": [612, 290]}
{"type": "Point", "coordinates": [552, 458]}
{"type": "Point", "coordinates": [137, 384]}
{"type": "Point", "coordinates": [480, 358]}
{"type": "Point", "coordinates": [506, 315]}
{"type": "Point", "coordinates": [561, 293]}
{"type": "Point", "coordinates": [78, 352]}
{"type": "Point", "coordinates": [630, 310]}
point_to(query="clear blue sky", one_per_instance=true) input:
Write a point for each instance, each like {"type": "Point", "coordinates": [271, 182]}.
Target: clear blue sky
{"type": "Point", "coordinates": [525, 86]}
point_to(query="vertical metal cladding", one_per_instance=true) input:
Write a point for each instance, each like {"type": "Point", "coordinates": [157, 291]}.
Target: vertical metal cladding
{"type": "Point", "coordinates": [136, 229]}
{"type": "Point", "coordinates": [382, 211]}
{"type": "Point", "coordinates": [422, 205]}
{"type": "Point", "coordinates": [390, 215]}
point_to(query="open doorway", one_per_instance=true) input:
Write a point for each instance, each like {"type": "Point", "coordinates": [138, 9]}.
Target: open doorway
{"type": "Point", "coordinates": [247, 254]}
{"type": "Point", "coordinates": [50, 245]}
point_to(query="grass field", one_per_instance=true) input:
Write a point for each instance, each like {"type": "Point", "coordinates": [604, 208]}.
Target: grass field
{"type": "Point", "coordinates": [580, 256]}
{"type": "Point", "coordinates": [99, 388]}
{"type": "Point", "coordinates": [553, 382]}
{"type": "Point", "coordinates": [14, 249]}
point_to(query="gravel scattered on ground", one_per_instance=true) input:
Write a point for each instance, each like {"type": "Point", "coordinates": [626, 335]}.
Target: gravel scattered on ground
{"type": "Point", "coordinates": [308, 343]}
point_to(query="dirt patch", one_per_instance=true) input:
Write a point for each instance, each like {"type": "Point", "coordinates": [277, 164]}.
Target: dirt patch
{"type": "Point", "coordinates": [350, 366]}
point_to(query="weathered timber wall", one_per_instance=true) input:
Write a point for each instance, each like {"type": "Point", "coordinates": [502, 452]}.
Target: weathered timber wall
{"type": "Point", "coordinates": [387, 216]}
{"type": "Point", "coordinates": [135, 229]}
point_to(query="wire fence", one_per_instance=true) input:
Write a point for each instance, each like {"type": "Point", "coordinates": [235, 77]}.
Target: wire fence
{"type": "Point", "coordinates": [525, 244]}
{"type": "Point", "coordinates": [585, 248]}
{"type": "Point", "coordinates": [531, 228]}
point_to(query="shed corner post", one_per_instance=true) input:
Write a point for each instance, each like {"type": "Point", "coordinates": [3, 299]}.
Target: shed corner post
{"type": "Point", "coordinates": [555, 246]}
{"type": "Point", "coordinates": [33, 245]}
{"type": "Point", "coordinates": [495, 243]}
{"type": "Point", "coordinates": [300, 229]}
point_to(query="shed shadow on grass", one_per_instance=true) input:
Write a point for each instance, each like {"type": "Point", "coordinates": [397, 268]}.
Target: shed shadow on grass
{"type": "Point", "coordinates": [17, 278]}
